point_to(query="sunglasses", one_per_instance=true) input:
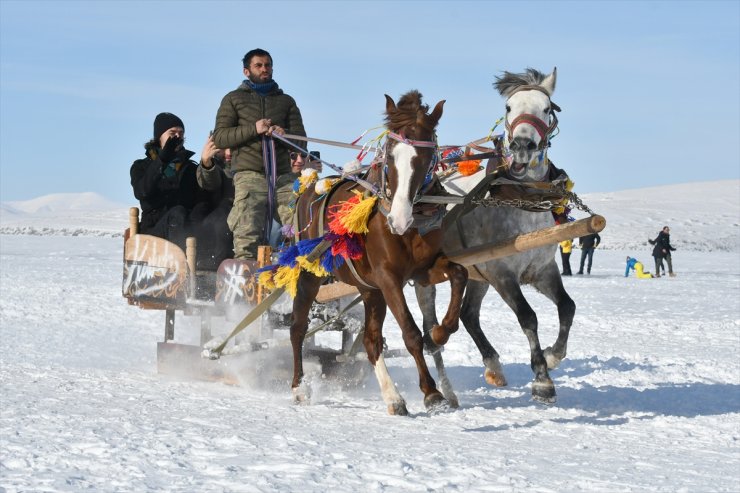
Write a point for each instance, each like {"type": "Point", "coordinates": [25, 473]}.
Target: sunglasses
{"type": "Point", "coordinates": [294, 155]}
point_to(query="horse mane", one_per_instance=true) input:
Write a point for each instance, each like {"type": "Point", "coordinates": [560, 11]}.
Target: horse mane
{"type": "Point", "coordinates": [409, 111]}
{"type": "Point", "coordinates": [509, 81]}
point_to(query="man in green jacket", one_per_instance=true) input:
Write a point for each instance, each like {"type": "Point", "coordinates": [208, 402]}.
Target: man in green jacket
{"type": "Point", "coordinates": [246, 119]}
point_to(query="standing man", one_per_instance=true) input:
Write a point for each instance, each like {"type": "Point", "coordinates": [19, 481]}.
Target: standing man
{"type": "Point", "coordinates": [263, 180]}
{"type": "Point", "coordinates": [662, 250]}
{"type": "Point", "coordinates": [588, 244]}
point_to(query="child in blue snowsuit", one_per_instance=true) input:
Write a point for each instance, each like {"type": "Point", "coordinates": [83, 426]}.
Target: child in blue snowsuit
{"type": "Point", "coordinates": [636, 265]}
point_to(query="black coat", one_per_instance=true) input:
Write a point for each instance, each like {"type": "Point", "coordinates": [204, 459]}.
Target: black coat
{"type": "Point", "coordinates": [161, 186]}
{"type": "Point", "coordinates": [589, 241]}
{"type": "Point", "coordinates": [662, 244]}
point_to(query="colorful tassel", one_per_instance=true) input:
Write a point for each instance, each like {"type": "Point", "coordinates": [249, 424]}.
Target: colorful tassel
{"type": "Point", "coordinates": [313, 267]}
{"type": "Point", "coordinates": [287, 277]}
{"type": "Point", "coordinates": [351, 216]}
{"type": "Point", "coordinates": [304, 180]}
{"type": "Point", "coordinates": [346, 228]}
{"type": "Point", "coordinates": [288, 256]}
{"type": "Point", "coordinates": [470, 167]}
{"type": "Point", "coordinates": [325, 185]}
{"type": "Point", "coordinates": [307, 246]}
{"type": "Point", "coordinates": [265, 280]}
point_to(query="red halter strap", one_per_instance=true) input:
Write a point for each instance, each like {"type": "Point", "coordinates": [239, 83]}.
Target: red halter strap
{"type": "Point", "coordinates": [541, 127]}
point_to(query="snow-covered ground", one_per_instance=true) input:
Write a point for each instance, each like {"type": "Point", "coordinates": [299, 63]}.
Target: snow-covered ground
{"type": "Point", "coordinates": [648, 398]}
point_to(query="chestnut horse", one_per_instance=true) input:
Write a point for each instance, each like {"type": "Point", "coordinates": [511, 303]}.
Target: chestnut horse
{"type": "Point", "coordinates": [395, 252]}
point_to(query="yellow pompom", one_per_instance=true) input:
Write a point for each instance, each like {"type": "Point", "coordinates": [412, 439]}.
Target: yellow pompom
{"type": "Point", "coordinates": [265, 280]}
{"type": "Point", "coordinates": [354, 218]}
{"type": "Point", "coordinates": [287, 277]}
{"type": "Point", "coordinates": [314, 267]}
{"type": "Point", "coordinates": [325, 185]}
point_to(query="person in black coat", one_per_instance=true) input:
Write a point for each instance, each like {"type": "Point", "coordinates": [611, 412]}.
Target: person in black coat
{"type": "Point", "coordinates": [588, 244]}
{"type": "Point", "coordinates": [662, 250]}
{"type": "Point", "coordinates": [165, 182]}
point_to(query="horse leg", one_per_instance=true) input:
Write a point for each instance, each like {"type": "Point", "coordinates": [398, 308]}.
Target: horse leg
{"type": "Point", "coordinates": [425, 296]}
{"type": "Point", "coordinates": [470, 316]}
{"type": "Point", "coordinates": [542, 387]}
{"type": "Point", "coordinates": [443, 270]}
{"type": "Point", "coordinates": [308, 288]}
{"type": "Point", "coordinates": [375, 310]}
{"type": "Point", "coordinates": [393, 292]}
{"type": "Point", "coordinates": [551, 285]}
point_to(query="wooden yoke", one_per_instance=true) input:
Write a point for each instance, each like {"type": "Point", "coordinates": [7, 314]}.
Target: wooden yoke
{"type": "Point", "coordinates": [528, 241]}
{"type": "Point", "coordinates": [490, 251]}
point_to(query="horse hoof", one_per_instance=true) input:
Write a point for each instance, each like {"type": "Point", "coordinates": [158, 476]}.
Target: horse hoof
{"type": "Point", "coordinates": [436, 403]}
{"type": "Point", "coordinates": [552, 360]}
{"type": "Point", "coordinates": [544, 392]}
{"type": "Point", "coordinates": [398, 409]}
{"type": "Point", "coordinates": [439, 335]}
{"type": "Point", "coordinates": [301, 395]}
{"type": "Point", "coordinates": [495, 379]}
{"type": "Point", "coordinates": [453, 402]}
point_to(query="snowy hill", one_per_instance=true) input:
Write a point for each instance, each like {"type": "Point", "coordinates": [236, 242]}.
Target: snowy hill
{"type": "Point", "coordinates": [64, 214]}
{"type": "Point", "coordinates": [703, 216]}
{"type": "Point", "coordinates": [63, 203]}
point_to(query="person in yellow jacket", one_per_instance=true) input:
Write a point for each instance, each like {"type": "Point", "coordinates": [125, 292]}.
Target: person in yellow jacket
{"type": "Point", "coordinates": [636, 265]}
{"type": "Point", "coordinates": [566, 246]}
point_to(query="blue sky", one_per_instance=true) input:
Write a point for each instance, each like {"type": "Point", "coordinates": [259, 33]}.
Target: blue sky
{"type": "Point", "coordinates": [650, 91]}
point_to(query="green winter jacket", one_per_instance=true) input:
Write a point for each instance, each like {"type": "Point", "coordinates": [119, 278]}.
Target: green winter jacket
{"type": "Point", "coordinates": [235, 126]}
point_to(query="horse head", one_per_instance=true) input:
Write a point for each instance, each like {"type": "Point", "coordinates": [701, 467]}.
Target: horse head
{"type": "Point", "coordinates": [530, 120]}
{"type": "Point", "coordinates": [411, 152]}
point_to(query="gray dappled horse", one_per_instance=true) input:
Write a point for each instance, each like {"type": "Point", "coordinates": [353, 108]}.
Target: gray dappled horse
{"type": "Point", "coordinates": [529, 113]}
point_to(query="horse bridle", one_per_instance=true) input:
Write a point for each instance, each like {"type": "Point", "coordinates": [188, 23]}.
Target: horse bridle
{"type": "Point", "coordinates": [384, 193]}
{"type": "Point", "coordinates": [543, 129]}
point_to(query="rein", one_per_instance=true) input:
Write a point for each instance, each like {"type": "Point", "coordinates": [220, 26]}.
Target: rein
{"type": "Point", "coordinates": [366, 184]}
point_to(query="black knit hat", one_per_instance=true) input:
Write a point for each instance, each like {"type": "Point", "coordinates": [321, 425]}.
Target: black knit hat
{"type": "Point", "coordinates": [164, 122]}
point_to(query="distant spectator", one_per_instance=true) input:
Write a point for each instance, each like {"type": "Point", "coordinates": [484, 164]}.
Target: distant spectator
{"type": "Point", "coordinates": [566, 246]}
{"type": "Point", "coordinates": [636, 265]}
{"type": "Point", "coordinates": [588, 244]}
{"type": "Point", "coordinates": [662, 250]}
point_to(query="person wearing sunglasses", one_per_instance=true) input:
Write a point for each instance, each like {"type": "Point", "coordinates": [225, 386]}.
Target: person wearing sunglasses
{"type": "Point", "coordinates": [300, 160]}
{"type": "Point", "coordinates": [258, 108]}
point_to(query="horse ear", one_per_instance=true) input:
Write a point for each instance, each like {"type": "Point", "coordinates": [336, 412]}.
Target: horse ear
{"type": "Point", "coordinates": [549, 83]}
{"type": "Point", "coordinates": [390, 105]}
{"type": "Point", "coordinates": [437, 112]}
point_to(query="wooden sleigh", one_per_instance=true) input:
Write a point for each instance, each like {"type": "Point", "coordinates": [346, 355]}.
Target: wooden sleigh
{"type": "Point", "coordinates": [158, 275]}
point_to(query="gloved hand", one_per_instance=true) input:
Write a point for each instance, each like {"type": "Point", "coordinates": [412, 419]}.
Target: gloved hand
{"type": "Point", "coordinates": [170, 149]}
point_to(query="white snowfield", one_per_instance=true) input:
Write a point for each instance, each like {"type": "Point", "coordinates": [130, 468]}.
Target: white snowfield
{"type": "Point", "coordinates": [648, 397]}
